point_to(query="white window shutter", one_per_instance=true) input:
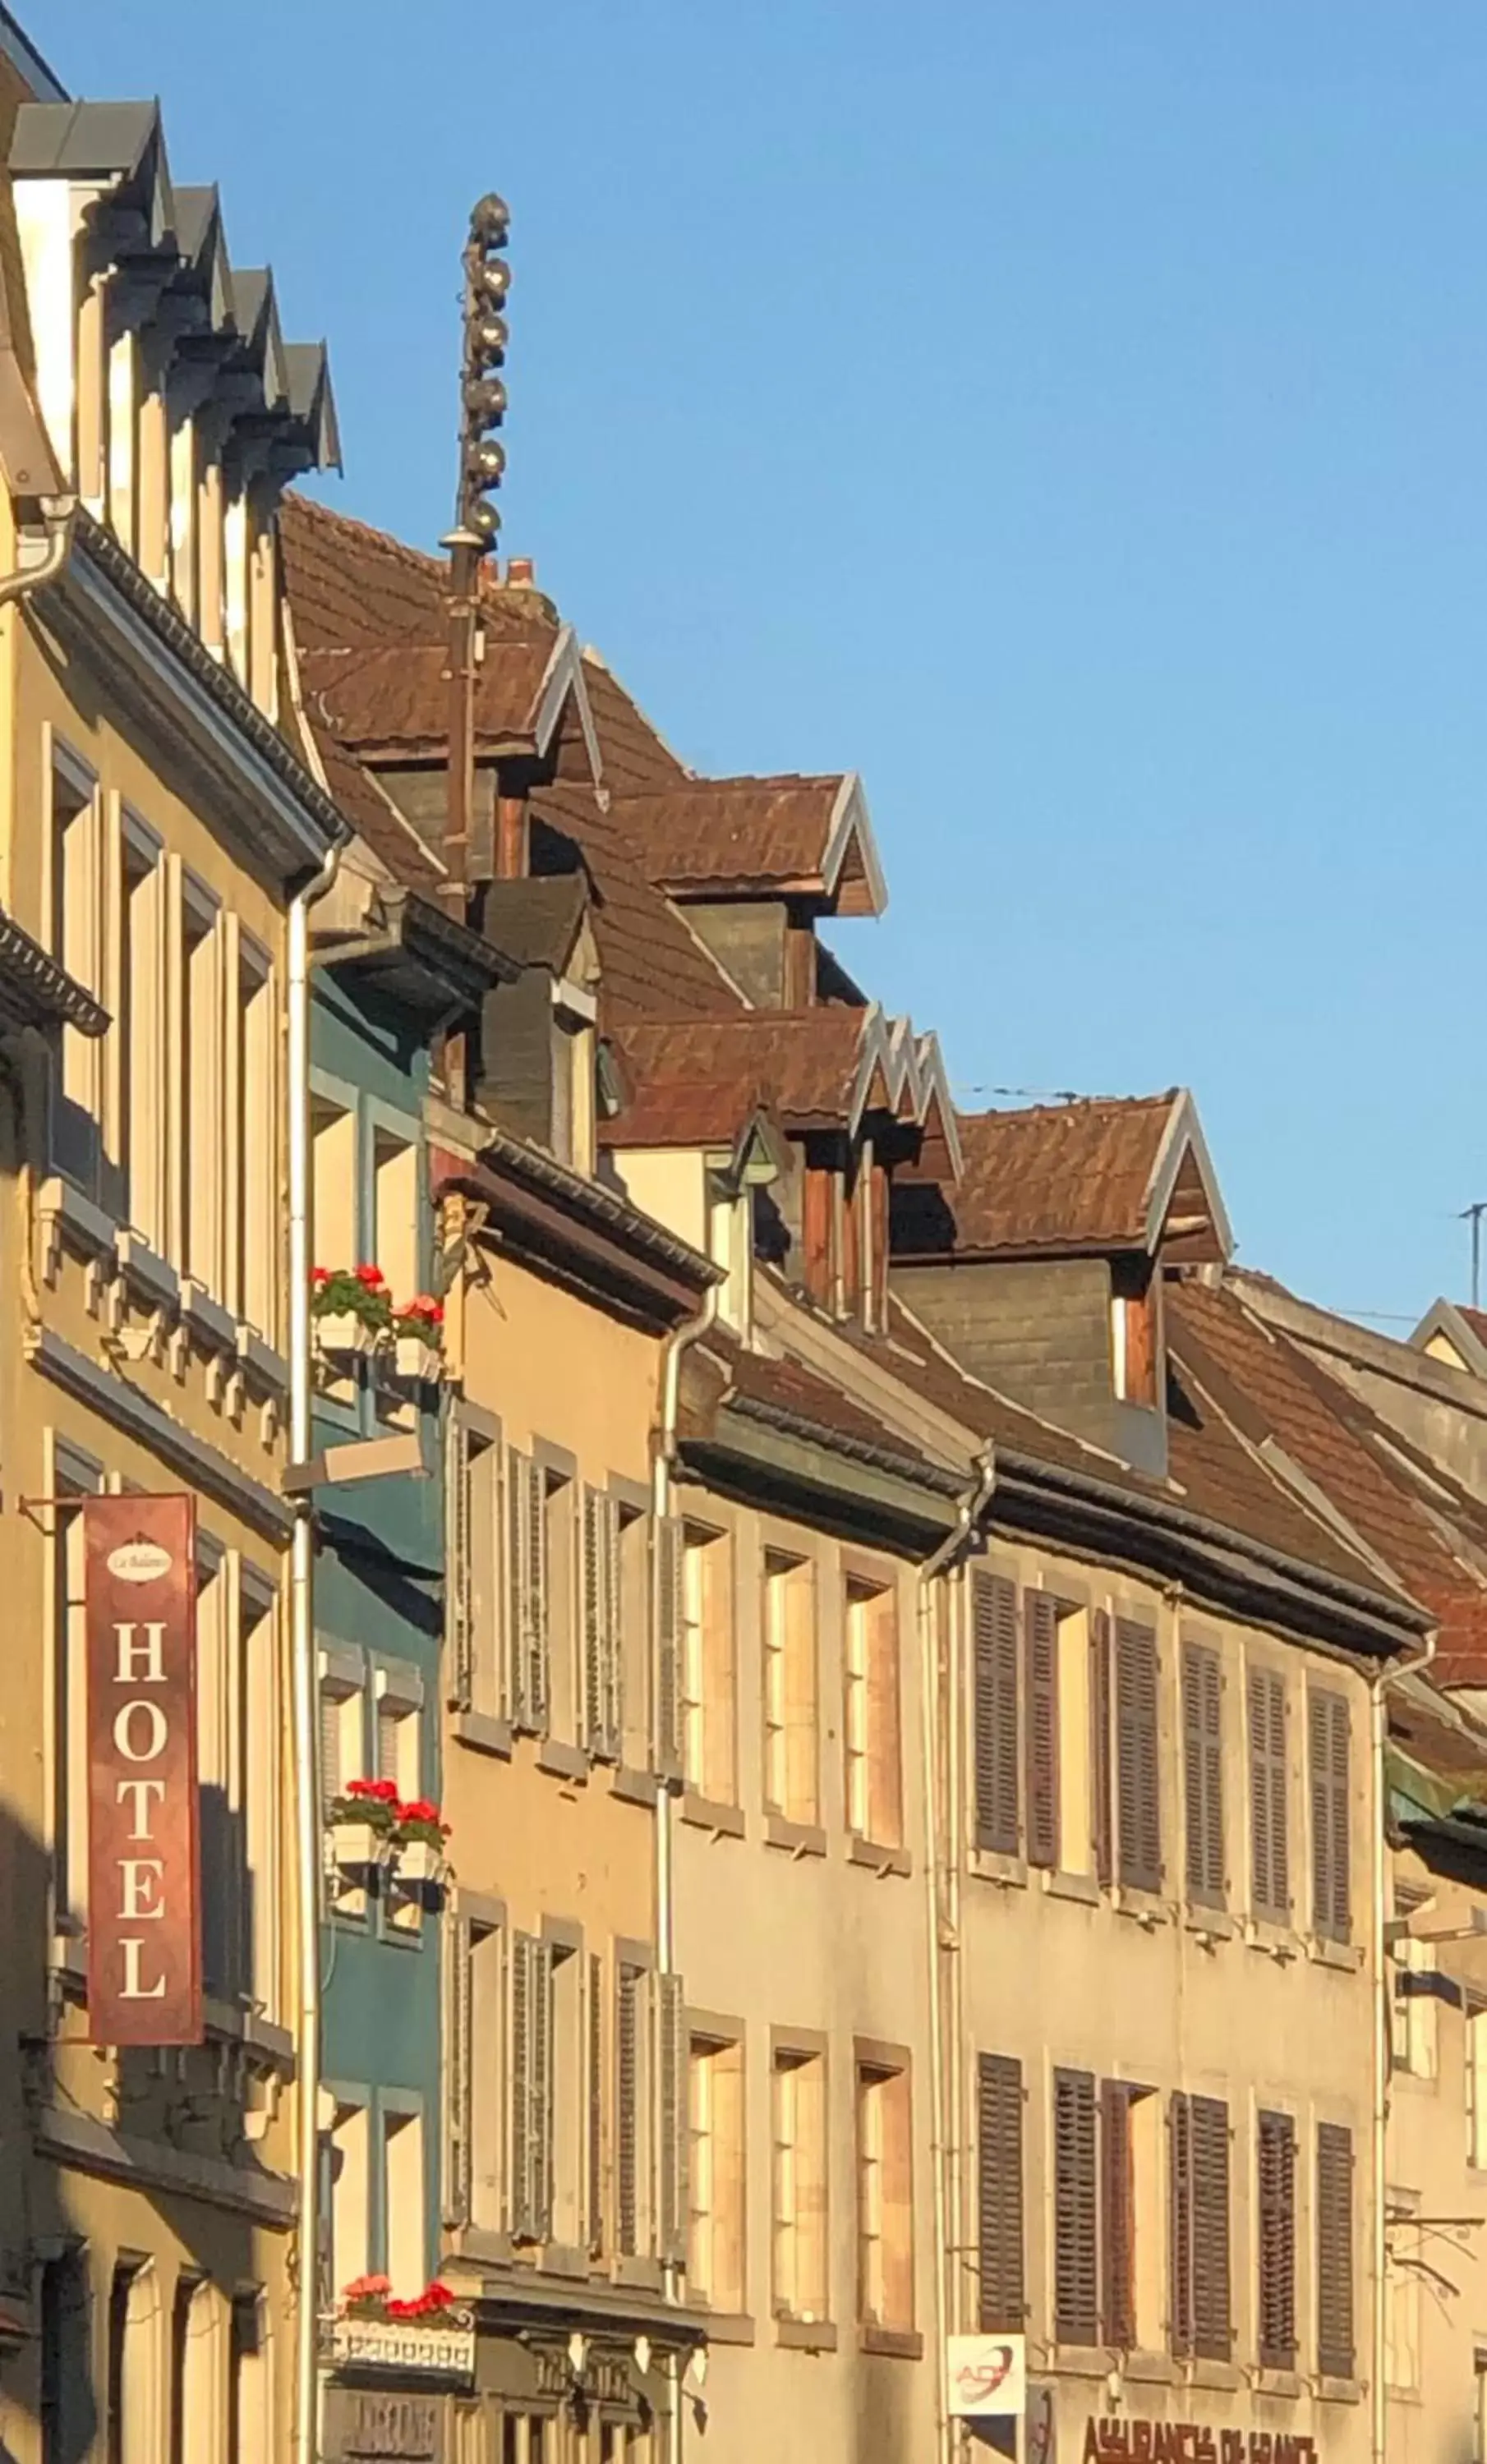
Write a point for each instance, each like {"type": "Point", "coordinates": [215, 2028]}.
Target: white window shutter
{"type": "Point", "coordinates": [520, 2175]}
{"type": "Point", "coordinates": [595, 1568]}
{"type": "Point", "coordinates": [671, 2073]}
{"type": "Point", "coordinates": [458, 1616]}
{"type": "Point", "coordinates": [459, 2115]}
{"type": "Point", "coordinates": [667, 1550]}
{"type": "Point", "coordinates": [613, 1687]}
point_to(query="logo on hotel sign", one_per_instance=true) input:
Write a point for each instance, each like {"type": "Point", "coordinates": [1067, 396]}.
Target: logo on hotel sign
{"type": "Point", "coordinates": [144, 1861]}
{"type": "Point", "coordinates": [988, 2376]}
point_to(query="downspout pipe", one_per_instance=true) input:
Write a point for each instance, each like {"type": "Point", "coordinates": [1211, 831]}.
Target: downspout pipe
{"type": "Point", "coordinates": [59, 514]}
{"type": "Point", "coordinates": [942, 1874]}
{"type": "Point", "coordinates": [302, 1680]}
{"type": "Point", "coordinates": [1383, 2046]}
{"type": "Point", "coordinates": [664, 1461]}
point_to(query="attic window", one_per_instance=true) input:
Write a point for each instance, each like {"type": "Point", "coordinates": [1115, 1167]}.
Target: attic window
{"type": "Point", "coordinates": [1135, 1333]}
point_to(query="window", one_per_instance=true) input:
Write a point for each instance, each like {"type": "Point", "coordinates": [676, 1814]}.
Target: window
{"type": "Point", "coordinates": [1328, 1758]}
{"type": "Point", "coordinates": [999, 2193]}
{"type": "Point", "coordinates": [399, 1744]}
{"type": "Point", "coordinates": [1075, 1690]}
{"type": "Point", "coordinates": [395, 1212]}
{"type": "Point", "coordinates": [1200, 2226]}
{"type": "Point", "coordinates": [573, 1086]}
{"type": "Point", "coordinates": [350, 2194]}
{"type": "Point", "coordinates": [1415, 2011]}
{"type": "Point", "coordinates": [540, 1553]}
{"type": "Point", "coordinates": [1131, 2174]}
{"type": "Point", "coordinates": [404, 2229]}
{"type": "Point", "coordinates": [885, 2205]}
{"type": "Point", "coordinates": [1476, 2065]}
{"type": "Point", "coordinates": [1270, 1877]}
{"type": "Point", "coordinates": [1138, 1769]}
{"type": "Point", "coordinates": [875, 1807]}
{"type": "Point", "coordinates": [1202, 1774]}
{"type": "Point", "coordinates": [715, 2173]}
{"type": "Point", "coordinates": [65, 2392]}
{"type": "Point", "coordinates": [69, 1722]}
{"type": "Point", "coordinates": [259, 1728]}
{"type": "Point", "coordinates": [570, 2096]}
{"type": "Point", "coordinates": [201, 1087]}
{"type": "Point", "coordinates": [708, 1677]}
{"type": "Point", "coordinates": [791, 1749]}
{"type": "Point", "coordinates": [1041, 1622]}
{"type": "Point", "coordinates": [342, 1756]}
{"type": "Point", "coordinates": [1076, 2210]}
{"type": "Point", "coordinates": [139, 1027]}
{"type": "Point", "coordinates": [798, 2091]}
{"type": "Point", "coordinates": [75, 891]}
{"type": "Point", "coordinates": [220, 1801]}
{"type": "Point", "coordinates": [1334, 2250]}
{"type": "Point", "coordinates": [334, 1172]}
{"type": "Point", "coordinates": [997, 1760]}
{"type": "Point", "coordinates": [132, 2419]}
{"type": "Point", "coordinates": [197, 2415]}
{"type": "Point", "coordinates": [256, 1229]}
{"type": "Point", "coordinates": [1275, 2240]}
{"type": "Point", "coordinates": [1134, 1332]}
{"type": "Point", "coordinates": [631, 2108]}
{"type": "Point", "coordinates": [475, 2054]}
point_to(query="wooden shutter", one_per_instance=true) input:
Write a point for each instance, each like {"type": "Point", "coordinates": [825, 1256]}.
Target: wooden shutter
{"type": "Point", "coordinates": [540, 2104]}
{"type": "Point", "coordinates": [1102, 1812]}
{"type": "Point", "coordinates": [527, 1562]}
{"type": "Point", "coordinates": [613, 1682]}
{"type": "Point", "coordinates": [458, 2086]}
{"type": "Point", "coordinates": [1210, 2229]}
{"type": "Point", "coordinates": [1275, 2200]}
{"type": "Point", "coordinates": [1270, 1870]}
{"type": "Point", "coordinates": [459, 1618]}
{"type": "Point", "coordinates": [1203, 1773]}
{"type": "Point", "coordinates": [594, 1575]}
{"type": "Point", "coordinates": [1179, 2177]}
{"type": "Point", "coordinates": [627, 2110]}
{"type": "Point", "coordinates": [1117, 2218]}
{"type": "Point", "coordinates": [1335, 2354]}
{"type": "Point", "coordinates": [884, 1743]}
{"type": "Point", "coordinates": [595, 2036]}
{"type": "Point", "coordinates": [671, 2060]}
{"type": "Point", "coordinates": [331, 1773]}
{"type": "Point", "coordinates": [1328, 1759]}
{"type": "Point", "coordinates": [1041, 1619]}
{"type": "Point", "coordinates": [1138, 1766]}
{"type": "Point", "coordinates": [999, 2193]}
{"type": "Point", "coordinates": [994, 1650]}
{"type": "Point", "coordinates": [668, 1552]}
{"type": "Point", "coordinates": [1075, 2257]}
{"type": "Point", "coordinates": [519, 2170]}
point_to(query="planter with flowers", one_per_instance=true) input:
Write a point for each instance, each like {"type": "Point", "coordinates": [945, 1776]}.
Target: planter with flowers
{"type": "Point", "coordinates": [419, 1329]}
{"type": "Point", "coordinates": [361, 1822]}
{"type": "Point", "coordinates": [431, 2330]}
{"type": "Point", "coordinates": [418, 1839]}
{"type": "Point", "coordinates": [351, 1308]}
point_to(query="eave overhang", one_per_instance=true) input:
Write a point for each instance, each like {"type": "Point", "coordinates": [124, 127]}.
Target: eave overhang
{"type": "Point", "coordinates": [36, 992]}
{"type": "Point", "coordinates": [419, 957]}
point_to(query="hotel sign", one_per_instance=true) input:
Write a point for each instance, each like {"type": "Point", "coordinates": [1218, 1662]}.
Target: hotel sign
{"type": "Point", "coordinates": [144, 1859]}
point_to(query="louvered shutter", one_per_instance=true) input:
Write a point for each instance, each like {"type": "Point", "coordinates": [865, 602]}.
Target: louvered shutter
{"type": "Point", "coordinates": [331, 1775]}
{"type": "Point", "coordinates": [668, 1552]}
{"type": "Point", "coordinates": [1102, 1812]}
{"type": "Point", "coordinates": [999, 2193]}
{"type": "Point", "coordinates": [594, 2034]}
{"type": "Point", "coordinates": [1075, 2257]}
{"type": "Point", "coordinates": [1328, 1758]}
{"type": "Point", "coordinates": [1042, 1697]}
{"type": "Point", "coordinates": [1335, 2354]}
{"type": "Point", "coordinates": [540, 2104]}
{"type": "Point", "coordinates": [458, 1616]}
{"type": "Point", "coordinates": [458, 2096]}
{"type": "Point", "coordinates": [1276, 2200]}
{"type": "Point", "coordinates": [1138, 1766]}
{"type": "Point", "coordinates": [526, 1567]}
{"type": "Point", "coordinates": [594, 1572]}
{"type": "Point", "coordinates": [1118, 2218]}
{"type": "Point", "coordinates": [1202, 1772]}
{"type": "Point", "coordinates": [627, 2110]}
{"type": "Point", "coordinates": [671, 2049]}
{"type": "Point", "coordinates": [994, 1640]}
{"type": "Point", "coordinates": [519, 2168]}
{"type": "Point", "coordinates": [1180, 2221]}
{"type": "Point", "coordinates": [1210, 2229]}
{"type": "Point", "coordinates": [612, 1689]}
{"type": "Point", "coordinates": [1270, 1867]}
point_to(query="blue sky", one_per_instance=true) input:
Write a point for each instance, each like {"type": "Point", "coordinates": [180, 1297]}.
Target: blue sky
{"type": "Point", "coordinates": [1070, 414]}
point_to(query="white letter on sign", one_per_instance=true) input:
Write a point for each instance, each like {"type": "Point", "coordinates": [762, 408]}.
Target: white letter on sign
{"type": "Point", "coordinates": [138, 1880]}
{"type": "Point", "coordinates": [142, 1791]}
{"type": "Point", "coordinates": [156, 1729]}
{"type": "Point", "coordinates": [131, 1944]}
{"type": "Point", "coordinates": [148, 1651]}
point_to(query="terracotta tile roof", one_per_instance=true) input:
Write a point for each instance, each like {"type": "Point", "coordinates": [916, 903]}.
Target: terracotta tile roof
{"type": "Point", "coordinates": [801, 1064]}
{"type": "Point", "coordinates": [787, 1386]}
{"type": "Point", "coordinates": [1060, 1176]}
{"type": "Point", "coordinates": [1428, 1537]}
{"type": "Point", "coordinates": [395, 699]}
{"type": "Point", "coordinates": [1476, 1319]}
{"type": "Point", "coordinates": [408, 857]}
{"type": "Point", "coordinates": [683, 1113]}
{"type": "Point", "coordinates": [352, 586]}
{"type": "Point", "coordinates": [652, 964]}
{"type": "Point", "coordinates": [745, 833]}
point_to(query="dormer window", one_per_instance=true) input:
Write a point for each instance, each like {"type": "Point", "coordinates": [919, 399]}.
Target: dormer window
{"type": "Point", "coordinates": [1135, 1331]}
{"type": "Point", "coordinates": [574, 1074]}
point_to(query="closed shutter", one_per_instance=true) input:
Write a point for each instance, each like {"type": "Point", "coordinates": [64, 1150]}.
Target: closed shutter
{"type": "Point", "coordinates": [539, 2109]}
{"type": "Point", "coordinates": [519, 2168]}
{"type": "Point", "coordinates": [614, 1685]}
{"type": "Point", "coordinates": [331, 1773]}
{"type": "Point", "coordinates": [670, 2057]}
{"type": "Point", "coordinates": [627, 2110]}
{"type": "Point", "coordinates": [1117, 2219]}
{"type": "Point", "coordinates": [1179, 2179]}
{"type": "Point", "coordinates": [1042, 1646]}
{"type": "Point", "coordinates": [1203, 1773]}
{"type": "Point", "coordinates": [1138, 1769]}
{"type": "Point", "coordinates": [595, 1574]}
{"type": "Point", "coordinates": [459, 1618]}
{"type": "Point", "coordinates": [1276, 2200]}
{"type": "Point", "coordinates": [995, 1641]}
{"type": "Point", "coordinates": [1102, 1814]}
{"type": "Point", "coordinates": [999, 2193]}
{"type": "Point", "coordinates": [458, 2106]}
{"type": "Point", "coordinates": [668, 1555]}
{"type": "Point", "coordinates": [594, 2034]}
{"type": "Point", "coordinates": [526, 1564]}
{"type": "Point", "coordinates": [1328, 1758]}
{"type": "Point", "coordinates": [1270, 1870]}
{"type": "Point", "coordinates": [1075, 2257]}
{"type": "Point", "coordinates": [1210, 2229]}
{"type": "Point", "coordinates": [1334, 2251]}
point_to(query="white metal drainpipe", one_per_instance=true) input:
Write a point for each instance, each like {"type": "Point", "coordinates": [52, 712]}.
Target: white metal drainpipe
{"type": "Point", "coordinates": [59, 514]}
{"type": "Point", "coordinates": [1383, 2050]}
{"type": "Point", "coordinates": [676, 1343]}
{"type": "Point", "coordinates": [301, 1644]}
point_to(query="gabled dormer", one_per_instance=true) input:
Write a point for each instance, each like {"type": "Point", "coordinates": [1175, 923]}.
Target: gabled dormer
{"type": "Point", "coordinates": [1042, 1269]}
{"type": "Point", "coordinates": [537, 1073]}
{"type": "Point", "coordinates": [175, 412]}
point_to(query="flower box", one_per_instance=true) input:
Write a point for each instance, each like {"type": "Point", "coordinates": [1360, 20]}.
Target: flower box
{"type": "Point", "coordinates": [340, 1331]}
{"type": "Point", "coordinates": [420, 1861]}
{"type": "Point", "coordinates": [357, 1845]}
{"type": "Point", "coordinates": [445, 2351]}
{"type": "Point", "coordinates": [416, 1358]}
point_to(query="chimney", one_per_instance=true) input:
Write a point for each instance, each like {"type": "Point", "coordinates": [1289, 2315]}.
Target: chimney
{"type": "Point", "coordinates": [521, 573]}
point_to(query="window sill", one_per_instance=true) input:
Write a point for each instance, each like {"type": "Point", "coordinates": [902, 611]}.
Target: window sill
{"type": "Point", "coordinates": [485, 2248]}
{"type": "Point", "coordinates": [1145, 1909]}
{"type": "Point", "coordinates": [993, 1866]}
{"type": "Point", "coordinates": [1149, 2369]}
{"type": "Point", "coordinates": [1220, 2377]}
{"type": "Point", "coordinates": [265, 1367]}
{"type": "Point", "coordinates": [1082, 1887]}
{"type": "Point", "coordinates": [478, 1729]}
{"type": "Point", "coordinates": [899, 2344]}
{"type": "Point", "coordinates": [563, 2258]}
{"type": "Point", "coordinates": [728, 2326]}
{"type": "Point", "coordinates": [562, 1761]}
{"type": "Point", "coordinates": [799, 1839]}
{"type": "Point", "coordinates": [1080, 2361]}
{"type": "Point", "coordinates": [67, 1215]}
{"type": "Point", "coordinates": [805, 2334]}
{"type": "Point", "coordinates": [1280, 2383]}
{"type": "Point", "coordinates": [634, 1787]}
{"type": "Point", "coordinates": [147, 1273]}
{"type": "Point", "coordinates": [1337, 2390]}
{"type": "Point", "coordinates": [206, 1318]}
{"type": "Point", "coordinates": [1277, 1941]}
{"type": "Point", "coordinates": [640, 2274]}
{"type": "Point", "coordinates": [708, 1814]}
{"type": "Point", "coordinates": [1210, 1925]}
{"type": "Point", "coordinates": [1346, 1956]}
{"type": "Point", "coordinates": [880, 1858]}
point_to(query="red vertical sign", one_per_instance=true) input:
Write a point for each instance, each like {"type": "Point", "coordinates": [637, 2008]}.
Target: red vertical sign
{"type": "Point", "coordinates": [143, 1860]}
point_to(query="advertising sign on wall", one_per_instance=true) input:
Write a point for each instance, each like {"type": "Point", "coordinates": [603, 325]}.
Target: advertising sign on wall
{"type": "Point", "coordinates": [988, 2376]}
{"type": "Point", "coordinates": [144, 1859]}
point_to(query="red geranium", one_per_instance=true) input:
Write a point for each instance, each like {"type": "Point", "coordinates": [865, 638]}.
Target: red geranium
{"type": "Point", "coordinates": [382, 1790]}
{"type": "Point", "coordinates": [372, 1276]}
{"type": "Point", "coordinates": [319, 1274]}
